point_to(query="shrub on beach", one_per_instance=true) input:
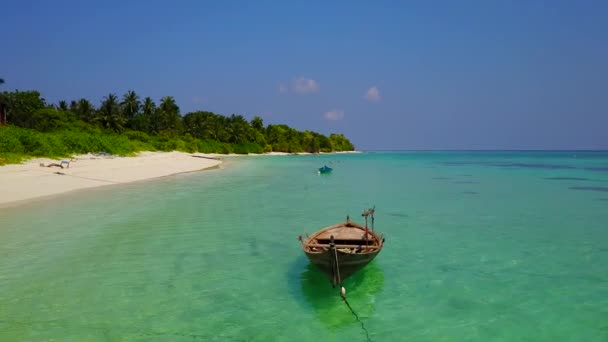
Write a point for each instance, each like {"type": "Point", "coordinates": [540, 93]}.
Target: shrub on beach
{"type": "Point", "coordinates": [10, 158]}
{"type": "Point", "coordinates": [212, 146]}
{"type": "Point", "coordinates": [9, 142]}
{"type": "Point", "coordinates": [248, 148]}
{"type": "Point", "coordinates": [62, 143]}
{"type": "Point", "coordinates": [40, 144]}
{"type": "Point", "coordinates": [137, 135]}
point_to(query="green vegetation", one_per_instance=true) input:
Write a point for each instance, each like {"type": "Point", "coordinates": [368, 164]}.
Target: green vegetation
{"type": "Point", "coordinates": [128, 125]}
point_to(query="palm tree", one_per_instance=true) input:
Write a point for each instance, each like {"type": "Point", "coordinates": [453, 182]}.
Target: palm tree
{"type": "Point", "coordinates": [147, 120]}
{"type": "Point", "coordinates": [168, 116]}
{"type": "Point", "coordinates": [257, 123]}
{"type": "Point", "coordinates": [74, 106]}
{"type": "Point", "coordinates": [63, 106]}
{"type": "Point", "coordinates": [238, 129]}
{"type": "Point", "coordinates": [148, 106]}
{"type": "Point", "coordinates": [130, 104]}
{"type": "Point", "coordinates": [199, 124]}
{"type": "Point", "coordinates": [109, 114]}
{"type": "Point", "coordinates": [168, 105]}
{"type": "Point", "coordinates": [218, 128]}
{"type": "Point", "coordinates": [85, 110]}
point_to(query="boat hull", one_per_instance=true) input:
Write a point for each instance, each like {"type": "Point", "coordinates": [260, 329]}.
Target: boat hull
{"type": "Point", "coordinates": [342, 249]}
{"type": "Point", "coordinates": [325, 169]}
{"type": "Point", "coordinates": [348, 263]}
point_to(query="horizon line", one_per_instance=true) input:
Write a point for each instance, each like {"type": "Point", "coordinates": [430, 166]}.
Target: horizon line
{"type": "Point", "coordinates": [483, 150]}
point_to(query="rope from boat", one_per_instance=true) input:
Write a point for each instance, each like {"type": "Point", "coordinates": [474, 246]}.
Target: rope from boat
{"type": "Point", "coordinates": [343, 295]}
{"type": "Point", "coordinates": [357, 317]}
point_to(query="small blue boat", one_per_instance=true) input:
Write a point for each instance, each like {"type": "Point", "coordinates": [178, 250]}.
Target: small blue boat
{"type": "Point", "coordinates": [325, 169]}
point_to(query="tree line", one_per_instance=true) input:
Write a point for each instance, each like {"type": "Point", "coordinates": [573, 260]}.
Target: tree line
{"type": "Point", "coordinates": [145, 121]}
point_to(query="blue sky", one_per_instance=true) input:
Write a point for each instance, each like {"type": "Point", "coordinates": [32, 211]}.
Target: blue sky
{"type": "Point", "coordinates": [388, 74]}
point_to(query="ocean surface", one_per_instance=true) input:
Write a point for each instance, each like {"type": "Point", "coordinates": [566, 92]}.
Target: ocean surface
{"type": "Point", "coordinates": [480, 246]}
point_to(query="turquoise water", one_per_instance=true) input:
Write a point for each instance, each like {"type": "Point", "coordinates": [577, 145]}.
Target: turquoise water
{"type": "Point", "coordinates": [494, 246]}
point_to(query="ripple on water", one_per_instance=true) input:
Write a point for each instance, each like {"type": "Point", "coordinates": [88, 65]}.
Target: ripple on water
{"type": "Point", "coordinates": [395, 214]}
{"type": "Point", "coordinates": [590, 188]}
{"type": "Point", "coordinates": [516, 165]}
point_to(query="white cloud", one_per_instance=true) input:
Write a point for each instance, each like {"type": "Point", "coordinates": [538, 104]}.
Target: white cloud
{"type": "Point", "coordinates": [373, 94]}
{"type": "Point", "coordinates": [305, 85]}
{"type": "Point", "coordinates": [299, 85]}
{"type": "Point", "coordinates": [334, 115]}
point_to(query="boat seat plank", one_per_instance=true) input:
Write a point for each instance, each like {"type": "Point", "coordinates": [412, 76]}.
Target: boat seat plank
{"type": "Point", "coordinates": [319, 245]}
{"type": "Point", "coordinates": [343, 234]}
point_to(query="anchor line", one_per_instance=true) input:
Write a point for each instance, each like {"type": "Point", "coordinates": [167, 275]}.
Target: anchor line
{"type": "Point", "coordinates": [357, 318]}
{"type": "Point", "coordinates": [343, 294]}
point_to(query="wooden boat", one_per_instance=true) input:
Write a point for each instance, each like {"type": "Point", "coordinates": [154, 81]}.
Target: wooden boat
{"type": "Point", "coordinates": [344, 248]}
{"type": "Point", "coordinates": [325, 169]}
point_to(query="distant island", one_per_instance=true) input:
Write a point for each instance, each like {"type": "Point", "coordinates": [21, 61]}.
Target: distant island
{"type": "Point", "coordinates": [33, 128]}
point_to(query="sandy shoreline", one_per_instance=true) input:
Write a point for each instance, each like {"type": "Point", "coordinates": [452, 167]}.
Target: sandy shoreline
{"type": "Point", "coordinates": [30, 180]}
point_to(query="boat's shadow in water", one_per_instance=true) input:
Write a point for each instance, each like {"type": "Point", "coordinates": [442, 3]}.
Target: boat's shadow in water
{"type": "Point", "coordinates": [313, 289]}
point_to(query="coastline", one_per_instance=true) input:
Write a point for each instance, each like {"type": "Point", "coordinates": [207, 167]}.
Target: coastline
{"type": "Point", "coordinates": [29, 180]}
{"type": "Point", "coordinates": [284, 154]}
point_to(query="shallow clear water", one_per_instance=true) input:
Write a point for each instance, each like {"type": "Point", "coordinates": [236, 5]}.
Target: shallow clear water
{"type": "Point", "coordinates": [493, 246]}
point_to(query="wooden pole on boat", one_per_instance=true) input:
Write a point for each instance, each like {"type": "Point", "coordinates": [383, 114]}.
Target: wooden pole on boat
{"type": "Point", "coordinates": [372, 221]}
{"type": "Point", "coordinates": [365, 213]}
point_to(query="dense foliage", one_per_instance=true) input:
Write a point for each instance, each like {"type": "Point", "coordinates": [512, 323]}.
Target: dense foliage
{"type": "Point", "coordinates": [127, 125]}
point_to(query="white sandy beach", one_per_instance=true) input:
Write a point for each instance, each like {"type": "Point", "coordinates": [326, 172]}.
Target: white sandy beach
{"type": "Point", "coordinates": [30, 180]}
